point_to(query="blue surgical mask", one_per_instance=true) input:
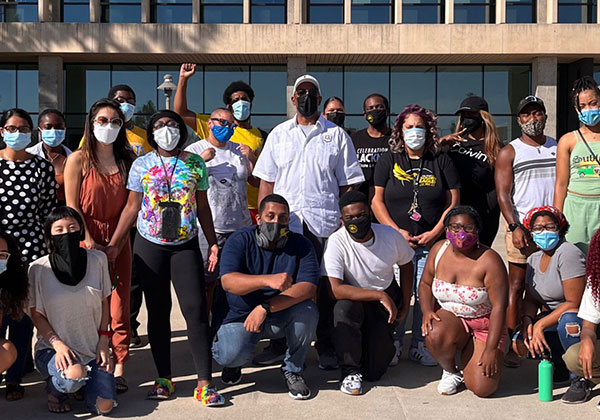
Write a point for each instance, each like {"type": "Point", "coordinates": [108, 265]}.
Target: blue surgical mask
{"type": "Point", "coordinates": [128, 110]}
{"type": "Point", "coordinates": [590, 117]}
{"type": "Point", "coordinates": [53, 138]}
{"type": "Point", "coordinates": [241, 110]}
{"type": "Point", "coordinates": [17, 141]}
{"type": "Point", "coordinates": [221, 133]}
{"type": "Point", "coordinates": [546, 240]}
{"type": "Point", "coordinates": [414, 138]}
{"type": "Point", "coordinates": [3, 264]}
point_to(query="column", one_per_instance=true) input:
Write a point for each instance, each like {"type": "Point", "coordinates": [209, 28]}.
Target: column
{"type": "Point", "coordinates": [296, 67]}
{"type": "Point", "coordinates": [398, 11]}
{"type": "Point", "coordinates": [347, 11]}
{"type": "Point", "coordinates": [449, 15]}
{"type": "Point", "coordinates": [50, 80]}
{"type": "Point", "coordinates": [247, 11]}
{"type": "Point", "coordinates": [146, 11]}
{"type": "Point", "coordinates": [551, 11]}
{"type": "Point", "coordinates": [541, 11]}
{"type": "Point", "coordinates": [501, 11]}
{"type": "Point", "coordinates": [55, 11]}
{"type": "Point", "coordinates": [196, 7]}
{"type": "Point", "coordinates": [44, 10]}
{"type": "Point", "coordinates": [544, 83]}
{"type": "Point", "coordinates": [95, 11]}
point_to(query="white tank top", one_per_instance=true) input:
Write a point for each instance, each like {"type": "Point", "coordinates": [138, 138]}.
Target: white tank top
{"type": "Point", "coordinates": [534, 175]}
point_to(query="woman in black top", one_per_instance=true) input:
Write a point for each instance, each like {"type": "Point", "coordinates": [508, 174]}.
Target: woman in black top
{"type": "Point", "coordinates": [415, 186]}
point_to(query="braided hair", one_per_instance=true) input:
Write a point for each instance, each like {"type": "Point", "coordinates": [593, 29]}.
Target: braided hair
{"type": "Point", "coordinates": [592, 267]}
{"type": "Point", "coordinates": [582, 84]}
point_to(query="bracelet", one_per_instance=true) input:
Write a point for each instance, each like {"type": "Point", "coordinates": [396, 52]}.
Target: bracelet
{"type": "Point", "coordinates": [108, 334]}
{"type": "Point", "coordinates": [53, 337]}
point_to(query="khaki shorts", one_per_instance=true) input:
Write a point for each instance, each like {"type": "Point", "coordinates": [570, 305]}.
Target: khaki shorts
{"type": "Point", "coordinates": [515, 255]}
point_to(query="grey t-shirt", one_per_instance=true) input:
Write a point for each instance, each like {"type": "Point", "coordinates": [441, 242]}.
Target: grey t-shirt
{"type": "Point", "coordinates": [568, 262]}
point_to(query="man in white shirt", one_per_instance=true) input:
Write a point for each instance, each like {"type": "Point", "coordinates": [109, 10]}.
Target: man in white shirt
{"type": "Point", "coordinates": [310, 162]}
{"type": "Point", "coordinates": [359, 261]}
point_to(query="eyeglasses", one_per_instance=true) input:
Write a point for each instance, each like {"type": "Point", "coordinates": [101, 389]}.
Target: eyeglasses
{"type": "Point", "coordinates": [224, 123]}
{"type": "Point", "coordinates": [102, 121]}
{"type": "Point", "coordinates": [550, 227]}
{"type": "Point", "coordinates": [457, 227]}
{"type": "Point", "coordinates": [159, 124]}
{"type": "Point", "coordinates": [312, 91]}
{"type": "Point", "coordinates": [15, 129]}
{"type": "Point", "coordinates": [4, 255]}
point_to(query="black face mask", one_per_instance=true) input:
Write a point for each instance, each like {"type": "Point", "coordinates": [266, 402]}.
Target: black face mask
{"type": "Point", "coordinates": [472, 124]}
{"type": "Point", "coordinates": [308, 104]}
{"type": "Point", "coordinates": [337, 118]}
{"type": "Point", "coordinates": [269, 232]}
{"type": "Point", "coordinates": [358, 228]}
{"type": "Point", "coordinates": [69, 260]}
{"type": "Point", "coordinates": [376, 117]}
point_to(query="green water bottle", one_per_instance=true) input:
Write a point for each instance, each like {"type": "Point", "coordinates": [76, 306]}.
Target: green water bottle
{"type": "Point", "coordinates": [545, 374]}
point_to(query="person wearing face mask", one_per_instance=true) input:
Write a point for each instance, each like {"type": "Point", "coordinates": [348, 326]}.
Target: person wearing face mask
{"type": "Point", "coordinates": [270, 276]}
{"type": "Point", "coordinates": [335, 111]}
{"type": "Point", "coordinates": [69, 304]}
{"type": "Point", "coordinates": [555, 286]}
{"type": "Point", "coordinates": [359, 261]}
{"type": "Point", "coordinates": [525, 176]}
{"type": "Point", "coordinates": [468, 282]}
{"type": "Point", "coordinates": [167, 195]}
{"type": "Point", "coordinates": [577, 191]}
{"type": "Point", "coordinates": [96, 175]}
{"type": "Point", "coordinates": [415, 186]}
{"type": "Point", "coordinates": [311, 162]}
{"type": "Point", "coordinates": [371, 142]}
{"type": "Point", "coordinates": [27, 195]}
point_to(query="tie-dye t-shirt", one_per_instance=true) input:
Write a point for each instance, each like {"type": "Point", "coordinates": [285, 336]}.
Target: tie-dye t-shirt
{"type": "Point", "coordinates": [148, 176]}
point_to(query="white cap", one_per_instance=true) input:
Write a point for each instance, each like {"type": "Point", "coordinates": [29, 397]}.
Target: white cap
{"type": "Point", "coordinates": [307, 78]}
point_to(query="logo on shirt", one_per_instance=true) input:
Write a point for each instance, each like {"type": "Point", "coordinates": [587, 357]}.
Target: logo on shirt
{"type": "Point", "coordinates": [427, 179]}
{"type": "Point", "coordinates": [457, 148]}
{"type": "Point", "coordinates": [327, 138]}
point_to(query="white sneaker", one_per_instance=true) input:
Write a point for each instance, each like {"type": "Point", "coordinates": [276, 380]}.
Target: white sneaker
{"type": "Point", "coordinates": [449, 383]}
{"type": "Point", "coordinates": [352, 384]}
{"type": "Point", "coordinates": [396, 359]}
{"type": "Point", "coordinates": [421, 354]}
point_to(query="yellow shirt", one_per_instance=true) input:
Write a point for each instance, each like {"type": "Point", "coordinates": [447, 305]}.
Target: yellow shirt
{"type": "Point", "coordinates": [137, 139]}
{"type": "Point", "coordinates": [251, 138]}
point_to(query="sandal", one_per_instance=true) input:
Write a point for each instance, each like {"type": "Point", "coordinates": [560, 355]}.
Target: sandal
{"type": "Point", "coordinates": [209, 396]}
{"type": "Point", "coordinates": [79, 395]}
{"type": "Point", "coordinates": [58, 405]}
{"type": "Point", "coordinates": [121, 384]}
{"type": "Point", "coordinates": [14, 392]}
{"type": "Point", "coordinates": [162, 389]}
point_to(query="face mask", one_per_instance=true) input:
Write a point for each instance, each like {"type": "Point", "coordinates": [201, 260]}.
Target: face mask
{"type": "Point", "coordinates": [533, 127]}
{"type": "Point", "coordinates": [462, 239]}
{"type": "Point", "coordinates": [53, 138]}
{"type": "Point", "coordinates": [337, 118]}
{"type": "Point", "coordinates": [472, 124]}
{"type": "Point", "coordinates": [590, 117]}
{"type": "Point", "coordinates": [546, 240]}
{"type": "Point", "coordinates": [127, 110]}
{"type": "Point", "coordinates": [358, 228]}
{"type": "Point", "coordinates": [414, 138]}
{"type": "Point", "coordinates": [69, 260]}
{"type": "Point", "coordinates": [221, 133]}
{"type": "Point", "coordinates": [167, 138]}
{"type": "Point", "coordinates": [17, 141]}
{"type": "Point", "coordinates": [3, 264]}
{"type": "Point", "coordinates": [376, 117]}
{"type": "Point", "coordinates": [241, 110]}
{"type": "Point", "coordinates": [269, 232]}
{"type": "Point", "coordinates": [308, 104]}
{"type": "Point", "coordinates": [107, 134]}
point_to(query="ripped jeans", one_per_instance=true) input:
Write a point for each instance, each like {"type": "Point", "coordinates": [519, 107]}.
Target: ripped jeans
{"type": "Point", "coordinates": [97, 384]}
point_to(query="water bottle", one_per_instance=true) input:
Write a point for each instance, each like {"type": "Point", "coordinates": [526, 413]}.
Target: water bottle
{"type": "Point", "coordinates": [545, 373]}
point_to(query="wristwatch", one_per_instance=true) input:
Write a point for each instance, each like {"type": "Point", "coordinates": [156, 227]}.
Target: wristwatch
{"type": "Point", "coordinates": [267, 307]}
{"type": "Point", "coordinates": [513, 226]}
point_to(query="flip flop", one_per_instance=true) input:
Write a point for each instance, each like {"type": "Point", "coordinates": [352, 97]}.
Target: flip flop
{"type": "Point", "coordinates": [59, 406]}
{"type": "Point", "coordinates": [121, 384]}
{"type": "Point", "coordinates": [14, 392]}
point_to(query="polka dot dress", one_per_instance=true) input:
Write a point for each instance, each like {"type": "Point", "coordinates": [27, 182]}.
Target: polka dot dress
{"type": "Point", "coordinates": [27, 196]}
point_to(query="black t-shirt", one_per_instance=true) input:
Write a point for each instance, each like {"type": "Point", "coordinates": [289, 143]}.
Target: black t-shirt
{"type": "Point", "coordinates": [368, 151]}
{"type": "Point", "coordinates": [396, 173]}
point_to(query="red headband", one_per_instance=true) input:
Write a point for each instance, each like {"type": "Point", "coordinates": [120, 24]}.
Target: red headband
{"type": "Point", "coordinates": [562, 221]}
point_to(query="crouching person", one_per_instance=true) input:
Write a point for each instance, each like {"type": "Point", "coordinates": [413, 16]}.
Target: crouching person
{"type": "Point", "coordinates": [69, 291]}
{"type": "Point", "coordinates": [269, 275]}
{"type": "Point", "coordinates": [359, 261]}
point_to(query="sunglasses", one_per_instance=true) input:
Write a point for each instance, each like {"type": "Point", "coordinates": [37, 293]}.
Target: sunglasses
{"type": "Point", "coordinates": [224, 123]}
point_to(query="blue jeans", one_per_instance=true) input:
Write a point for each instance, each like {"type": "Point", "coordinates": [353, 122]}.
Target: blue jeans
{"type": "Point", "coordinates": [233, 345]}
{"type": "Point", "coordinates": [419, 265]}
{"type": "Point", "coordinates": [98, 383]}
{"type": "Point", "coordinates": [20, 333]}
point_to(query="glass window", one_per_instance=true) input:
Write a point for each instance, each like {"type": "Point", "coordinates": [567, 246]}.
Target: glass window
{"type": "Point", "coordinates": [325, 11]}
{"type": "Point", "coordinates": [84, 85]}
{"type": "Point", "coordinates": [372, 11]}
{"type": "Point", "coordinates": [27, 87]}
{"type": "Point", "coordinates": [171, 11]}
{"type": "Point", "coordinates": [8, 75]}
{"type": "Point", "coordinates": [268, 11]}
{"type": "Point", "coordinates": [423, 11]}
{"type": "Point", "coordinates": [143, 80]}
{"type": "Point", "coordinates": [573, 11]}
{"type": "Point", "coordinates": [474, 11]}
{"type": "Point", "coordinates": [520, 11]}
{"type": "Point", "coordinates": [75, 11]}
{"type": "Point", "coordinates": [18, 11]}
{"type": "Point", "coordinates": [222, 11]}
{"type": "Point", "coordinates": [505, 86]}
{"type": "Point", "coordinates": [121, 11]}
{"type": "Point", "coordinates": [360, 82]}
{"type": "Point", "coordinates": [269, 85]}
{"type": "Point", "coordinates": [412, 85]}
{"type": "Point", "coordinates": [195, 87]}
{"type": "Point", "coordinates": [217, 78]}
{"type": "Point", "coordinates": [596, 73]}
{"type": "Point", "coordinates": [331, 80]}
{"type": "Point", "coordinates": [455, 83]}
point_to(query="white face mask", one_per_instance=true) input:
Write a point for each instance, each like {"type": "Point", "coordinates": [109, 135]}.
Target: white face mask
{"type": "Point", "coordinates": [107, 134]}
{"type": "Point", "coordinates": [414, 138]}
{"type": "Point", "coordinates": [167, 138]}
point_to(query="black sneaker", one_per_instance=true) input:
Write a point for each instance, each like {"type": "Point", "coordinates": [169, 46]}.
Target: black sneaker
{"type": "Point", "coordinates": [296, 385]}
{"type": "Point", "coordinates": [136, 341]}
{"type": "Point", "coordinates": [231, 376]}
{"type": "Point", "coordinates": [578, 392]}
{"type": "Point", "coordinates": [272, 354]}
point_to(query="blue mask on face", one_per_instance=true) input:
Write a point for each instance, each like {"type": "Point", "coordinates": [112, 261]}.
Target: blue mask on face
{"type": "Point", "coordinates": [590, 117]}
{"type": "Point", "coordinates": [3, 264]}
{"type": "Point", "coordinates": [17, 141]}
{"type": "Point", "coordinates": [241, 110]}
{"type": "Point", "coordinates": [546, 240]}
{"type": "Point", "coordinates": [128, 110]}
{"type": "Point", "coordinates": [53, 138]}
{"type": "Point", "coordinates": [221, 133]}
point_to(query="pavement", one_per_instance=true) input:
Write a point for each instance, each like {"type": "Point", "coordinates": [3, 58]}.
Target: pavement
{"type": "Point", "coordinates": [406, 391]}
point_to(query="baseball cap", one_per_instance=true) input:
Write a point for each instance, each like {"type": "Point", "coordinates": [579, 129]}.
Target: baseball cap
{"type": "Point", "coordinates": [530, 100]}
{"type": "Point", "coordinates": [307, 78]}
{"type": "Point", "coordinates": [473, 103]}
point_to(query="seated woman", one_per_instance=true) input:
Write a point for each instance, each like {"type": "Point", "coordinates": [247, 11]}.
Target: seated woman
{"type": "Point", "coordinates": [470, 283]}
{"type": "Point", "coordinates": [13, 293]}
{"type": "Point", "coordinates": [69, 306]}
{"type": "Point", "coordinates": [555, 283]}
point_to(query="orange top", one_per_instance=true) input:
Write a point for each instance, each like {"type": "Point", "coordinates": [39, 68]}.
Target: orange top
{"type": "Point", "coordinates": [60, 193]}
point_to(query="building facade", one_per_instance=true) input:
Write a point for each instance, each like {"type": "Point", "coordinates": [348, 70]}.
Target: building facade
{"type": "Point", "coordinates": [67, 53]}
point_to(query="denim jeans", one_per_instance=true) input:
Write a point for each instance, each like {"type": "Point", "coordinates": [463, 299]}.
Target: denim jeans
{"type": "Point", "coordinates": [418, 261]}
{"type": "Point", "coordinates": [233, 346]}
{"type": "Point", "coordinates": [98, 383]}
{"type": "Point", "coordinates": [20, 333]}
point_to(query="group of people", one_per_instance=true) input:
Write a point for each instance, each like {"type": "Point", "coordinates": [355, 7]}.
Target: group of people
{"type": "Point", "coordinates": [309, 232]}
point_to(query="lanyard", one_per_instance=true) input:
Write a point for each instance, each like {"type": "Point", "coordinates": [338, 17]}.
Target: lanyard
{"type": "Point", "coordinates": [168, 178]}
{"type": "Point", "coordinates": [416, 180]}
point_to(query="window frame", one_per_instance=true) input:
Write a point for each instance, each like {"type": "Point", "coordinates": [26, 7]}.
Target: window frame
{"type": "Point", "coordinates": [262, 3]}
{"type": "Point", "coordinates": [16, 3]}
{"type": "Point", "coordinates": [589, 4]}
{"type": "Point", "coordinates": [155, 4]}
{"type": "Point", "coordinates": [490, 6]}
{"type": "Point", "coordinates": [533, 4]}
{"type": "Point", "coordinates": [105, 4]}
{"type": "Point", "coordinates": [330, 3]}
{"type": "Point", "coordinates": [441, 4]}
{"type": "Point", "coordinates": [390, 3]}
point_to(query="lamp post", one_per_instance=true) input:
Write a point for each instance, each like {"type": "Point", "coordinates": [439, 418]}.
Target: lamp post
{"type": "Point", "coordinates": [168, 87]}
